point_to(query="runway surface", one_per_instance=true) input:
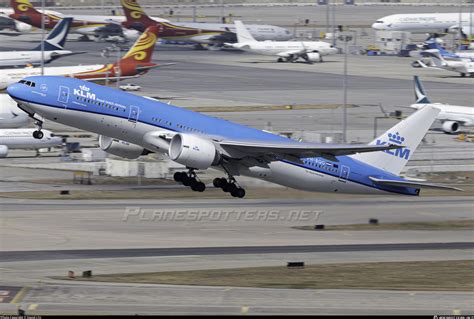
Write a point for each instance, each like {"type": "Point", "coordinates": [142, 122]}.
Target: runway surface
{"type": "Point", "coordinates": [153, 252]}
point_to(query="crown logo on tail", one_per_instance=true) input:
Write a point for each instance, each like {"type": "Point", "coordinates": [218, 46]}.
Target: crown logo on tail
{"type": "Point", "coordinates": [396, 138]}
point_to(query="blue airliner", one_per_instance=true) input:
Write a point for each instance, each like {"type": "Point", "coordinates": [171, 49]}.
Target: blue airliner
{"type": "Point", "coordinates": [131, 126]}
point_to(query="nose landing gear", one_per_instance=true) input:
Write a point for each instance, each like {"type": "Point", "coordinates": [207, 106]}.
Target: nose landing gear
{"type": "Point", "coordinates": [38, 134]}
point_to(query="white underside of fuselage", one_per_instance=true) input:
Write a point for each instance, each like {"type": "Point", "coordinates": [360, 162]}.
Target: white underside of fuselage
{"type": "Point", "coordinates": [278, 172]}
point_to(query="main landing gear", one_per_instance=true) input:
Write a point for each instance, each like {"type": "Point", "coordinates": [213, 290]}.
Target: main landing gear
{"type": "Point", "coordinates": [38, 134]}
{"type": "Point", "coordinates": [190, 179]}
{"type": "Point", "coordinates": [229, 186]}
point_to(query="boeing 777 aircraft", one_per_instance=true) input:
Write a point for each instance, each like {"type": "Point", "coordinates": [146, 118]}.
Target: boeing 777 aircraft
{"type": "Point", "coordinates": [136, 62]}
{"type": "Point", "coordinates": [130, 126]}
{"type": "Point", "coordinates": [427, 23]}
{"type": "Point", "coordinates": [53, 48]}
{"type": "Point", "coordinates": [452, 116]}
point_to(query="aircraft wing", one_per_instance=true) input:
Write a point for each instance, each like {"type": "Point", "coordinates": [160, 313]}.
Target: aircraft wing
{"type": "Point", "coordinates": [275, 150]}
{"type": "Point", "coordinates": [414, 184]}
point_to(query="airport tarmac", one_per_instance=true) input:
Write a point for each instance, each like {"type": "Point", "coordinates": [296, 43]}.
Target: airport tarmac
{"type": "Point", "coordinates": [70, 234]}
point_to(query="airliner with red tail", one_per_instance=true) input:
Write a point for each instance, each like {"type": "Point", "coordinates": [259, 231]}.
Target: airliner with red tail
{"type": "Point", "coordinates": [136, 62]}
{"type": "Point", "coordinates": [25, 12]}
{"type": "Point", "coordinates": [201, 33]}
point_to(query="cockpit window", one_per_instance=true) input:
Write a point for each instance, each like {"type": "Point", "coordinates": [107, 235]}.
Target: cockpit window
{"type": "Point", "coordinates": [379, 21]}
{"type": "Point", "coordinates": [29, 83]}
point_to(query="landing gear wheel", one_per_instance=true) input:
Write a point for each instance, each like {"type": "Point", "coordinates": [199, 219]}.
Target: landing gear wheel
{"type": "Point", "coordinates": [219, 182]}
{"type": "Point", "coordinates": [238, 192]}
{"type": "Point", "coordinates": [38, 134]}
{"type": "Point", "coordinates": [179, 176]}
{"type": "Point", "coordinates": [280, 60]}
{"type": "Point", "coordinates": [198, 187]}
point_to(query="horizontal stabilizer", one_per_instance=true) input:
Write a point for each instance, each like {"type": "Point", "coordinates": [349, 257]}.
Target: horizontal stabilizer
{"type": "Point", "coordinates": [151, 67]}
{"type": "Point", "coordinates": [414, 184]}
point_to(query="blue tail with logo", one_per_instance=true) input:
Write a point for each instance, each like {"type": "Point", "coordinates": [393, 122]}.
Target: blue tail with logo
{"type": "Point", "coordinates": [57, 37]}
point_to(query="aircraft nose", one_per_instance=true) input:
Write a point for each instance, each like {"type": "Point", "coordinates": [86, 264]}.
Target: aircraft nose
{"type": "Point", "coordinates": [15, 90]}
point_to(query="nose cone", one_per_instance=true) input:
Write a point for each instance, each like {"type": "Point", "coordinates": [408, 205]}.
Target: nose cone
{"type": "Point", "coordinates": [15, 90]}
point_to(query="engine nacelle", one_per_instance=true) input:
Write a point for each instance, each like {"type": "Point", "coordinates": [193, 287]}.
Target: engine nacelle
{"type": "Point", "coordinates": [314, 56]}
{"type": "Point", "coordinates": [120, 148]}
{"type": "Point", "coordinates": [193, 151]}
{"type": "Point", "coordinates": [451, 127]}
{"type": "Point", "coordinates": [22, 27]}
{"type": "Point", "coordinates": [3, 151]}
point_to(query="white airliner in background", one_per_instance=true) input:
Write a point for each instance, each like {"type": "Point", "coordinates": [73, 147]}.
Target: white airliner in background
{"type": "Point", "coordinates": [10, 115]}
{"type": "Point", "coordinates": [427, 23]}
{"type": "Point", "coordinates": [462, 66]}
{"type": "Point", "coordinates": [23, 139]}
{"type": "Point", "coordinates": [452, 116]}
{"type": "Point", "coordinates": [290, 51]}
{"type": "Point", "coordinates": [53, 49]}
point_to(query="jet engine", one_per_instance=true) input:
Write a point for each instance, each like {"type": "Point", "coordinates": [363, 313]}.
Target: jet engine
{"type": "Point", "coordinates": [3, 151]}
{"type": "Point", "coordinates": [450, 127]}
{"type": "Point", "coordinates": [121, 148]}
{"type": "Point", "coordinates": [193, 151]}
{"type": "Point", "coordinates": [314, 56]}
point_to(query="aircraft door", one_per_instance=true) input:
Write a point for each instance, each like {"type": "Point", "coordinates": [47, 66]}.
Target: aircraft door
{"type": "Point", "coordinates": [133, 116]}
{"type": "Point", "coordinates": [345, 170]}
{"type": "Point", "coordinates": [63, 96]}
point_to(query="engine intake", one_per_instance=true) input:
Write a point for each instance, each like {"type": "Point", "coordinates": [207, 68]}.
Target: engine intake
{"type": "Point", "coordinates": [121, 148]}
{"type": "Point", "coordinates": [450, 127]}
{"type": "Point", "coordinates": [193, 151]}
{"type": "Point", "coordinates": [3, 151]}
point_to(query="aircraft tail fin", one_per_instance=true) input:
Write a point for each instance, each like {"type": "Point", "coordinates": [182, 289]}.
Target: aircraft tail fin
{"type": "Point", "coordinates": [57, 36]}
{"type": "Point", "coordinates": [243, 35]}
{"type": "Point", "coordinates": [407, 133]}
{"type": "Point", "coordinates": [24, 8]}
{"type": "Point", "coordinates": [142, 50]}
{"type": "Point", "coordinates": [420, 94]}
{"type": "Point", "coordinates": [136, 17]}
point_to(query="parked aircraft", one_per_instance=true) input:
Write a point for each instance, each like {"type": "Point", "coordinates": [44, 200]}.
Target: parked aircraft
{"type": "Point", "coordinates": [461, 66]}
{"type": "Point", "coordinates": [130, 126]}
{"type": "Point", "coordinates": [452, 116]}
{"type": "Point", "coordinates": [23, 139]}
{"type": "Point", "coordinates": [136, 62]}
{"type": "Point", "coordinates": [10, 115]}
{"type": "Point", "coordinates": [433, 23]}
{"type": "Point", "coordinates": [289, 51]}
{"type": "Point", "coordinates": [200, 33]}
{"type": "Point", "coordinates": [86, 25]}
{"type": "Point", "coordinates": [53, 49]}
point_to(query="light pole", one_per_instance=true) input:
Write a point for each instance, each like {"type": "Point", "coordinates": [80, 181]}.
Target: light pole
{"type": "Point", "coordinates": [42, 37]}
{"type": "Point", "coordinates": [346, 38]}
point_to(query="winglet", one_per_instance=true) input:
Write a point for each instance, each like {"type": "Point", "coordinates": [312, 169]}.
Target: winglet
{"type": "Point", "coordinates": [420, 94]}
